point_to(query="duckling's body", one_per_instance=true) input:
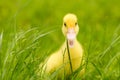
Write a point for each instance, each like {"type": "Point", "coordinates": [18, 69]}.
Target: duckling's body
{"type": "Point", "coordinates": [60, 61]}
{"type": "Point", "coordinates": [60, 58]}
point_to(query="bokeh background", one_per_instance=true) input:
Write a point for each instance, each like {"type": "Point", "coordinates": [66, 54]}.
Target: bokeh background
{"type": "Point", "coordinates": [50, 13]}
{"type": "Point", "coordinates": [30, 30]}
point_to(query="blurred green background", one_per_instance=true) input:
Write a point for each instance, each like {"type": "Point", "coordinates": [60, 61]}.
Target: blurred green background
{"type": "Point", "coordinates": [50, 13]}
{"type": "Point", "coordinates": [23, 21]}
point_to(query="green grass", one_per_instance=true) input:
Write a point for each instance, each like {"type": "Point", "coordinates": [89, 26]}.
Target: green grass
{"type": "Point", "coordinates": [27, 28]}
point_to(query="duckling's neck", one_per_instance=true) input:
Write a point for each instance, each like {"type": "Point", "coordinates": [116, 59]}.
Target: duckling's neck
{"type": "Point", "coordinates": [75, 51]}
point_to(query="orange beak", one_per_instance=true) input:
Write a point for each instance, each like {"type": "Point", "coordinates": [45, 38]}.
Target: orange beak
{"type": "Point", "coordinates": [71, 35]}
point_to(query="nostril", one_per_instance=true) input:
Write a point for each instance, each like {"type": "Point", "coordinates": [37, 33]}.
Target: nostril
{"type": "Point", "coordinates": [71, 30]}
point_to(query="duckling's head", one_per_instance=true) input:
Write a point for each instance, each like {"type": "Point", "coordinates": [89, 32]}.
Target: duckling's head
{"type": "Point", "coordinates": [70, 28]}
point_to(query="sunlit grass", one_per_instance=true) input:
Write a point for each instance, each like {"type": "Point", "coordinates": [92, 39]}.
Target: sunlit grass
{"type": "Point", "coordinates": [25, 52]}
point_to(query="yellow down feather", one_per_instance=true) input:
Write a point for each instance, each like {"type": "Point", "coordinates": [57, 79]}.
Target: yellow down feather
{"type": "Point", "coordinates": [59, 60]}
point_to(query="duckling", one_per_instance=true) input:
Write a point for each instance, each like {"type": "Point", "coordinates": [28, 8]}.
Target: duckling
{"type": "Point", "coordinates": [69, 57]}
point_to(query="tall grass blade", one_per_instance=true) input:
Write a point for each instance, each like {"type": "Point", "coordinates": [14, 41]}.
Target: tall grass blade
{"type": "Point", "coordinates": [1, 38]}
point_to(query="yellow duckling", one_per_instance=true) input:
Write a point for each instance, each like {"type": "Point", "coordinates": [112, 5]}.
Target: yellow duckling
{"type": "Point", "coordinates": [62, 61]}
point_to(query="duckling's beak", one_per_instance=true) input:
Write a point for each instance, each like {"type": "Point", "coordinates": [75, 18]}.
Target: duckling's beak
{"type": "Point", "coordinates": [71, 35]}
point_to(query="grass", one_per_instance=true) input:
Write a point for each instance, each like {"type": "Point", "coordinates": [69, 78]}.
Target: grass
{"type": "Point", "coordinates": [27, 31]}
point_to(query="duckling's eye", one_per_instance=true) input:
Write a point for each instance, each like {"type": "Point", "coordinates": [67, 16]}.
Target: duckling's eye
{"type": "Point", "coordinates": [76, 24]}
{"type": "Point", "coordinates": [65, 24]}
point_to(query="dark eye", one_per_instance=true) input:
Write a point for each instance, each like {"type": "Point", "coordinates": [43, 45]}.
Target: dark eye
{"type": "Point", "coordinates": [76, 23]}
{"type": "Point", "coordinates": [65, 24]}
